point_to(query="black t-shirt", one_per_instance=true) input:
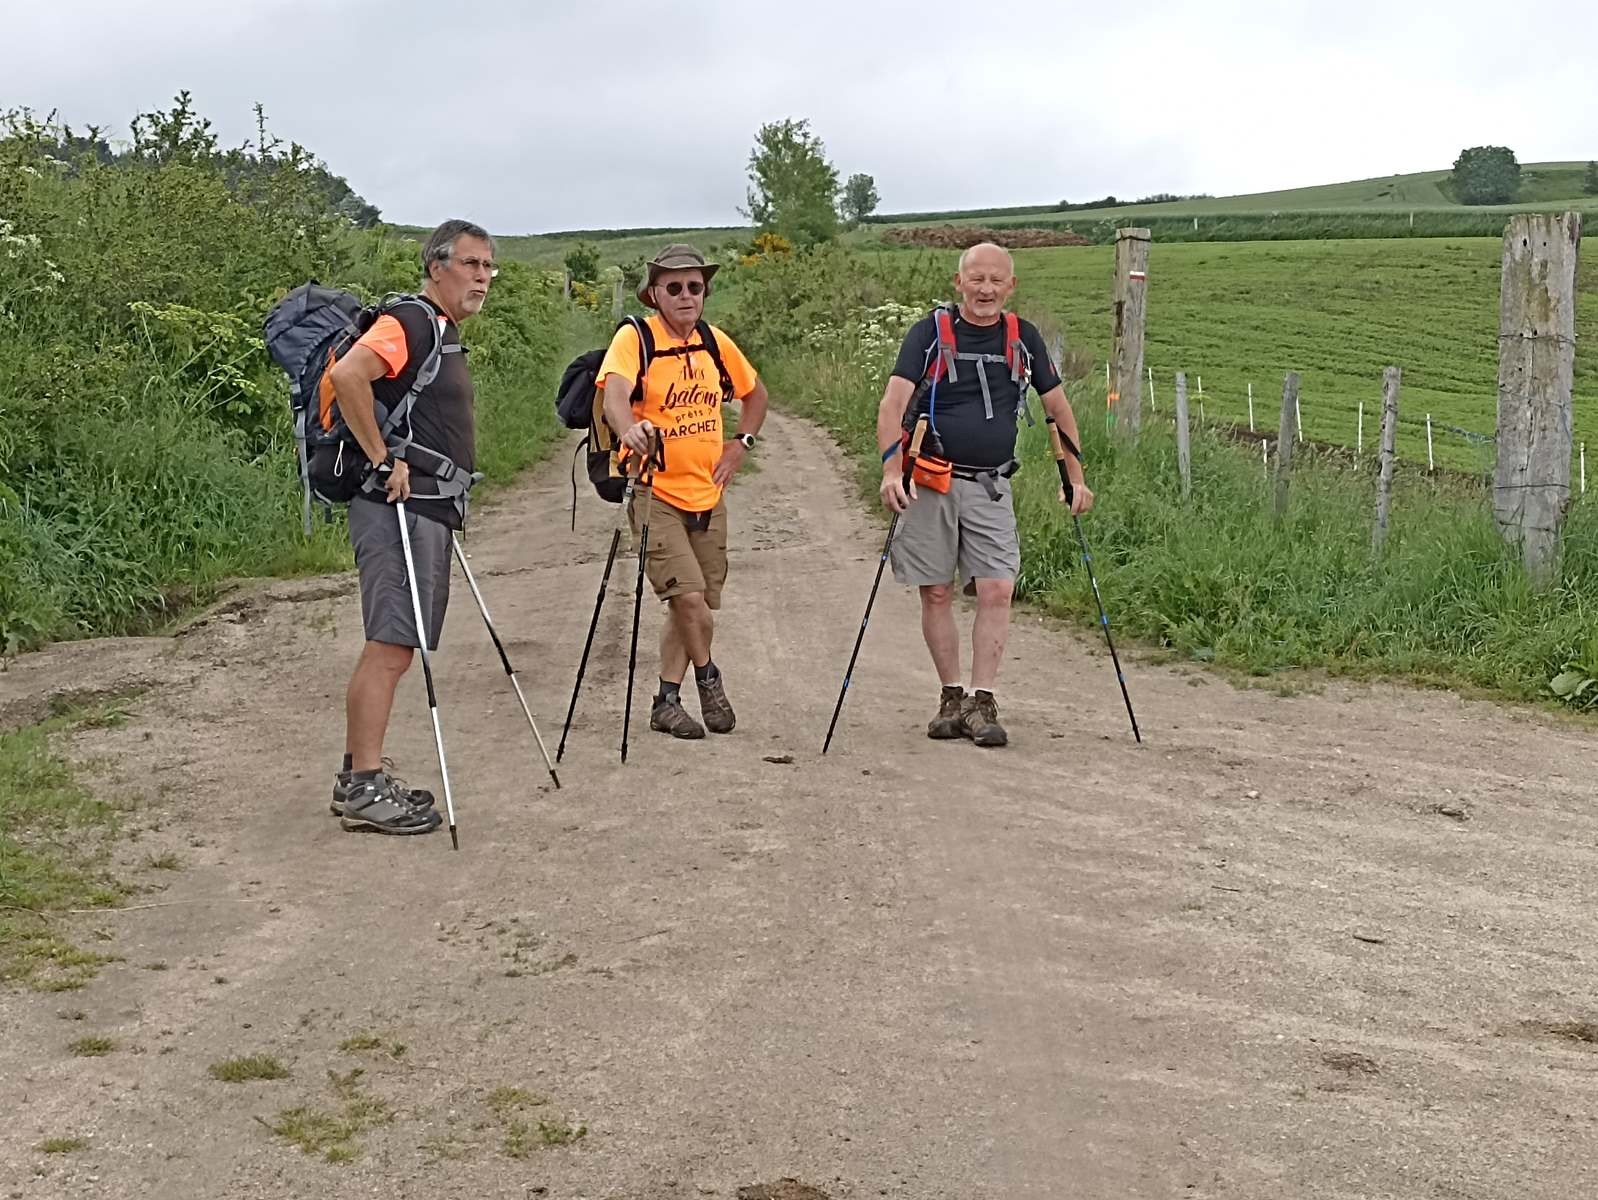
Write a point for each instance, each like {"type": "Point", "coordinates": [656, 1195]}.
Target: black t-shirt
{"type": "Point", "coordinates": [443, 417]}
{"type": "Point", "coordinates": [959, 414]}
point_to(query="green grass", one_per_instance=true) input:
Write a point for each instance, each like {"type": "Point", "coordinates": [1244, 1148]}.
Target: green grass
{"type": "Point", "coordinates": [504, 1100]}
{"type": "Point", "coordinates": [1337, 312]}
{"type": "Point", "coordinates": [1214, 578]}
{"type": "Point", "coordinates": [92, 1047]}
{"type": "Point", "coordinates": [248, 1069]}
{"type": "Point", "coordinates": [365, 1043]}
{"type": "Point", "coordinates": [55, 839]}
{"type": "Point", "coordinates": [1422, 191]}
{"type": "Point", "coordinates": [333, 1135]}
{"type": "Point", "coordinates": [616, 245]}
{"type": "Point", "coordinates": [61, 1145]}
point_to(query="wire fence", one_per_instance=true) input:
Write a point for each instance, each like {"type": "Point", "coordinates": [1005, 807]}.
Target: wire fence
{"type": "Point", "coordinates": [1444, 447]}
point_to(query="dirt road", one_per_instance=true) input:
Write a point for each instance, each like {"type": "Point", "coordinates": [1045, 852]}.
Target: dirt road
{"type": "Point", "coordinates": [1339, 944]}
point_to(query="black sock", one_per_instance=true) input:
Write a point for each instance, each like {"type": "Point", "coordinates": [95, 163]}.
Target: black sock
{"type": "Point", "coordinates": [670, 693]}
{"type": "Point", "coordinates": [706, 673]}
{"type": "Point", "coordinates": [363, 776]}
{"type": "Point", "coordinates": [347, 763]}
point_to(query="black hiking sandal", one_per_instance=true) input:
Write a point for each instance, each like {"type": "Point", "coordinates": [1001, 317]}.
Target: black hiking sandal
{"type": "Point", "coordinates": [377, 806]}
{"type": "Point", "coordinates": [669, 716]}
{"type": "Point", "coordinates": [979, 720]}
{"type": "Point", "coordinates": [343, 785]}
{"type": "Point", "coordinates": [947, 724]}
{"type": "Point", "coordinates": [714, 705]}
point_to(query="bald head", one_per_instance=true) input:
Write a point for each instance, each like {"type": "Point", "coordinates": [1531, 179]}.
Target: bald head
{"type": "Point", "coordinates": [984, 281]}
{"type": "Point", "coordinates": [988, 254]}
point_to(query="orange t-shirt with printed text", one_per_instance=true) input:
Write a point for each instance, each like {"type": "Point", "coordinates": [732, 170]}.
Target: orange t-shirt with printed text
{"type": "Point", "coordinates": [682, 398]}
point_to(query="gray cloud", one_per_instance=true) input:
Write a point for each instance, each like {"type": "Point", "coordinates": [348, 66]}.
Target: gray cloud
{"type": "Point", "coordinates": [624, 113]}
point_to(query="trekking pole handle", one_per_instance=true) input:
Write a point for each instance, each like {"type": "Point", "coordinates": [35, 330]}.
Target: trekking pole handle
{"type": "Point", "coordinates": [653, 461]}
{"type": "Point", "coordinates": [1062, 445]}
{"type": "Point", "coordinates": [916, 438]}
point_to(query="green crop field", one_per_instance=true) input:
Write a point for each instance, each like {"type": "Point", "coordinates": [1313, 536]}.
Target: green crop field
{"type": "Point", "coordinates": [616, 245]}
{"type": "Point", "coordinates": [1542, 184]}
{"type": "Point", "coordinates": [1335, 311]}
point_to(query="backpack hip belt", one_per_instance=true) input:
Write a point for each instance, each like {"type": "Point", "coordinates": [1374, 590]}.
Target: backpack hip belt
{"type": "Point", "coordinates": [986, 475]}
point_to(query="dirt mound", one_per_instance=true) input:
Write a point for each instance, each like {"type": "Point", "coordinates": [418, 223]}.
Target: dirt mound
{"type": "Point", "coordinates": [958, 237]}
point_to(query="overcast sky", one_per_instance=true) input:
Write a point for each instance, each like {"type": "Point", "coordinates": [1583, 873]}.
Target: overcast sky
{"type": "Point", "coordinates": [542, 116]}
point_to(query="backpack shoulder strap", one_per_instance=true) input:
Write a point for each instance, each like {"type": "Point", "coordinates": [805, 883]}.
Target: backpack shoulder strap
{"type": "Point", "coordinates": [646, 351]}
{"type": "Point", "coordinates": [708, 336]}
{"type": "Point", "coordinates": [943, 347]}
{"type": "Point", "coordinates": [1016, 356]}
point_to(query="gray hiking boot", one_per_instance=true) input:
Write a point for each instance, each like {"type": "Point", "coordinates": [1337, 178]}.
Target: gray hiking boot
{"type": "Point", "coordinates": [979, 720]}
{"type": "Point", "coordinates": [669, 716]}
{"type": "Point", "coordinates": [343, 785]}
{"type": "Point", "coordinates": [377, 806]}
{"type": "Point", "coordinates": [714, 705]}
{"type": "Point", "coordinates": [951, 703]}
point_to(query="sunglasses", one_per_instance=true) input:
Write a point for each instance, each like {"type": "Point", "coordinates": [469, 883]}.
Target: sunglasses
{"type": "Point", "coordinates": [675, 287]}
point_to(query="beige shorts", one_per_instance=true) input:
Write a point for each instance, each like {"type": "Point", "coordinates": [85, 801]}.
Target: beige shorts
{"type": "Point", "coordinates": [963, 532]}
{"type": "Point", "coordinates": [687, 551]}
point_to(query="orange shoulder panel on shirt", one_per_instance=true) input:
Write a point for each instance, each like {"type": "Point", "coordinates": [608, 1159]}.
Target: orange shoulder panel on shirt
{"type": "Point", "coordinates": [386, 339]}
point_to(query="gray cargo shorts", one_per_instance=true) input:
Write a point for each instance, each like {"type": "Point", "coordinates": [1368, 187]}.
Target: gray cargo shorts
{"type": "Point", "coordinates": [380, 559]}
{"type": "Point", "coordinates": [963, 532]}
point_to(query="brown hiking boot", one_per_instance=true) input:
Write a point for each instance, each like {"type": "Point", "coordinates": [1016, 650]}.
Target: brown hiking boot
{"type": "Point", "coordinates": [979, 720]}
{"type": "Point", "coordinates": [947, 723]}
{"type": "Point", "coordinates": [714, 705]}
{"type": "Point", "coordinates": [669, 716]}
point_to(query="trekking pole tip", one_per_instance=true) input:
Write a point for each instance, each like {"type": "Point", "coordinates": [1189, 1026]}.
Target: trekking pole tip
{"type": "Point", "coordinates": [454, 838]}
{"type": "Point", "coordinates": [556, 778]}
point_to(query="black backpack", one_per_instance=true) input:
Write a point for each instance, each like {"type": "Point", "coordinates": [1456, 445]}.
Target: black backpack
{"type": "Point", "coordinates": [306, 332]}
{"type": "Point", "coordinates": [580, 404]}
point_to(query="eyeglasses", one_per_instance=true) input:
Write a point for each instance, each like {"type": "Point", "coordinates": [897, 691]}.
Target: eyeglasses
{"type": "Point", "coordinates": [472, 262]}
{"type": "Point", "coordinates": [675, 287]}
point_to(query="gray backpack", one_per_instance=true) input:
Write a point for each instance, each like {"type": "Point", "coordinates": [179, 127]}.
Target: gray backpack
{"type": "Point", "coordinates": [306, 332]}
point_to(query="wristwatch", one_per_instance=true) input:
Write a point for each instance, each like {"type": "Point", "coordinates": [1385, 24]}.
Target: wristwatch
{"type": "Point", "coordinates": [748, 439]}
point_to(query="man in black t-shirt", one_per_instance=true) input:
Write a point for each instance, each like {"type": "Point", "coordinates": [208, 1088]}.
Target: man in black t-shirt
{"type": "Point", "coordinates": [968, 531]}
{"type": "Point", "coordinates": [383, 366]}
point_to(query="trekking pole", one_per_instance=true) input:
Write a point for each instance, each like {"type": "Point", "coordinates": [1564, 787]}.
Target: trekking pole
{"type": "Point", "coordinates": [887, 545]}
{"type": "Point", "coordinates": [638, 588]}
{"type": "Point", "coordinates": [1061, 444]}
{"type": "Point", "coordinates": [599, 602]}
{"type": "Point", "coordinates": [427, 672]}
{"type": "Point", "coordinates": [510, 672]}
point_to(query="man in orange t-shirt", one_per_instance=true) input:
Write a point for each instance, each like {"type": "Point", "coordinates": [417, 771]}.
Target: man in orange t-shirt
{"type": "Point", "coordinates": [682, 401]}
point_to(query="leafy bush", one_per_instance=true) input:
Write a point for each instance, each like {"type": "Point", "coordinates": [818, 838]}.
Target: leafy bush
{"type": "Point", "coordinates": [145, 451]}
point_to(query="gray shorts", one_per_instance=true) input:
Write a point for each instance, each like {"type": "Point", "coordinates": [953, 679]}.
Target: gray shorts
{"type": "Point", "coordinates": [963, 530]}
{"type": "Point", "coordinates": [380, 558]}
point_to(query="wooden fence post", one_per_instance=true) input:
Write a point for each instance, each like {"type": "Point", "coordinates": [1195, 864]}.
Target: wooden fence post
{"type": "Point", "coordinates": [1536, 359]}
{"type": "Point", "coordinates": [1284, 441]}
{"type": "Point", "coordinates": [615, 300]}
{"type": "Point", "coordinates": [1184, 456]}
{"type": "Point", "coordinates": [566, 284]}
{"type": "Point", "coordinates": [1391, 378]}
{"type": "Point", "coordinates": [1131, 306]}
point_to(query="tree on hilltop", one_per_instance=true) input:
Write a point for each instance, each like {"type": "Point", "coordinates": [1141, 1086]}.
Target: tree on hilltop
{"type": "Point", "coordinates": [859, 199]}
{"type": "Point", "coordinates": [1486, 175]}
{"type": "Point", "coordinates": [793, 189]}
